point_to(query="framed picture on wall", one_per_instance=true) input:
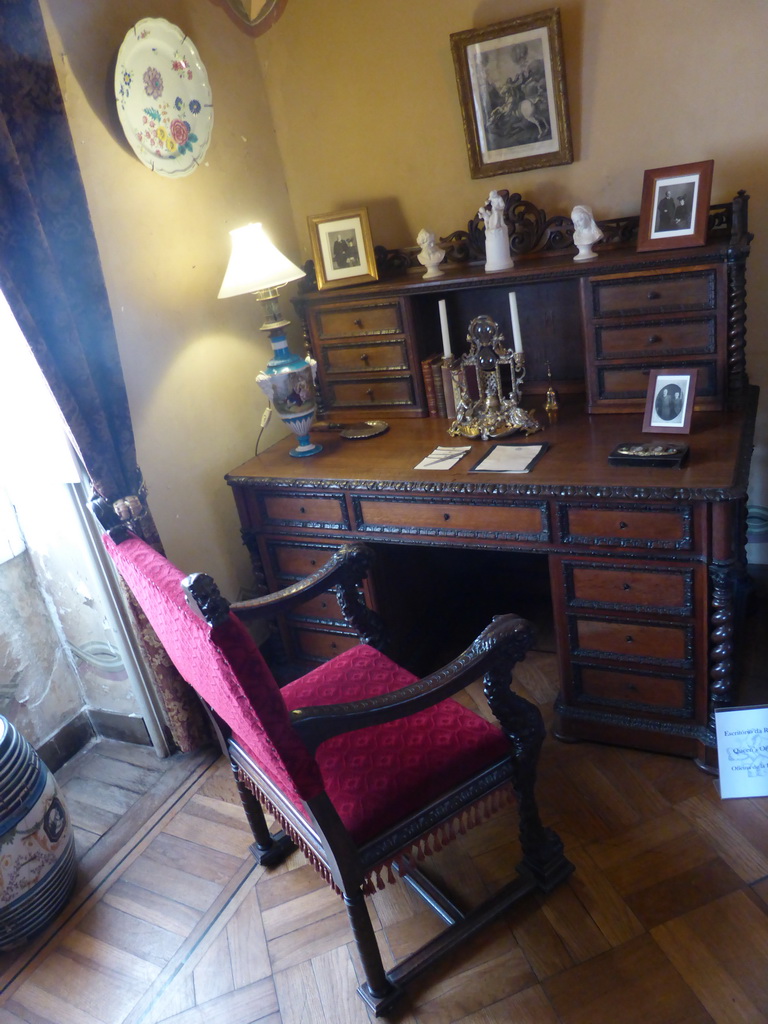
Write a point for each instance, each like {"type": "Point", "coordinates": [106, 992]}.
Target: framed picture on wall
{"type": "Point", "coordinates": [342, 248]}
{"type": "Point", "coordinates": [669, 405]}
{"type": "Point", "coordinates": [511, 80]}
{"type": "Point", "coordinates": [675, 208]}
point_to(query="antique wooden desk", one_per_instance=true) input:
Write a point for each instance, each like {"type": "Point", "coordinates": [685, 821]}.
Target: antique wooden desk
{"type": "Point", "coordinates": [645, 566]}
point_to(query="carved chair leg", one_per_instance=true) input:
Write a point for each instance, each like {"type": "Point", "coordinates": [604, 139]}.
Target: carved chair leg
{"type": "Point", "coordinates": [543, 852]}
{"type": "Point", "coordinates": [377, 991]}
{"type": "Point", "coordinates": [269, 848]}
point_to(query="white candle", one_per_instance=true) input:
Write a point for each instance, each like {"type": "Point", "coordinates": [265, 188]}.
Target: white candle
{"type": "Point", "coordinates": [517, 340]}
{"type": "Point", "coordinates": [444, 330]}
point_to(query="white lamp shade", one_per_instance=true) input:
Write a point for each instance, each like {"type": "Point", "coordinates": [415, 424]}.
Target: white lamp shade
{"type": "Point", "coordinates": [255, 264]}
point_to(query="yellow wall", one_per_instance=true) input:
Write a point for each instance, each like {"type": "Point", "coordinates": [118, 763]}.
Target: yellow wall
{"type": "Point", "coordinates": [346, 104]}
{"type": "Point", "coordinates": [366, 110]}
{"type": "Point", "coordinates": [189, 358]}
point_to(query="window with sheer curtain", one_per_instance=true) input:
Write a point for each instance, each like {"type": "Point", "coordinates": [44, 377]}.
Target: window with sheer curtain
{"type": "Point", "coordinates": [50, 274]}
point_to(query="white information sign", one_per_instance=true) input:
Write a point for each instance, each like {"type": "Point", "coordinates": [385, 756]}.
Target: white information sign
{"type": "Point", "coordinates": [742, 751]}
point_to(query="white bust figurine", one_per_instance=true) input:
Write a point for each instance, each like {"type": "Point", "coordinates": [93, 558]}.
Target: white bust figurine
{"type": "Point", "coordinates": [585, 232]}
{"type": "Point", "coordinates": [431, 254]}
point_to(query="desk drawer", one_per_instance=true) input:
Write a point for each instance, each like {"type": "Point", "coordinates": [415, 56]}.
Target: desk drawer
{"type": "Point", "coordinates": [291, 562]}
{"type": "Point", "coordinates": [633, 690]}
{"type": "Point", "coordinates": [357, 320]}
{"type": "Point", "coordinates": [320, 645]}
{"type": "Point", "coordinates": [628, 640]}
{"type": "Point", "coordinates": [341, 357]}
{"type": "Point", "coordinates": [654, 293]}
{"type": "Point", "coordinates": [323, 608]}
{"type": "Point", "coordinates": [288, 510]}
{"type": "Point", "coordinates": [614, 383]}
{"type": "Point", "coordinates": [595, 586]}
{"type": "Point", "coordinates": [520, 522]}
{"type": "Point", "coordinates": [655, 340]}
{"type": "Point", "coordinates": [371, 391]}
{"type": "Point", "coordinates": [628, 526]}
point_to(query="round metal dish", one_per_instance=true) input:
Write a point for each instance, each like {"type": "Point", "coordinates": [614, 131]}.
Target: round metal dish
{"type": "Point", "coordinates": [359, 431]}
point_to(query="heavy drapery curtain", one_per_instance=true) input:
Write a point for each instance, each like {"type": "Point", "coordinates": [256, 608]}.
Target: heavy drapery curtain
{"type": "Point", "coordinates": [51, 276]}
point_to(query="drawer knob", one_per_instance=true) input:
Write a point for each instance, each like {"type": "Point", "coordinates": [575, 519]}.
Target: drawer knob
{"type": "Point", "coordinates": [302, 509]}
{"type": "Point", "coordinates": [312, 561]}
{"type": "Point", "coordinates": [626, 586]}
{"type": "Point", "coordinates": [446, 516]}
{"type": "Point", "coordinates": [653, 295]}
{"type": "Point", "coordinates": [630, 639]}
{"type": "Point", "coordinates": [358, 323]}
{"type": "Point", "coordinates": [369, 392]}
{"type": "Point", "coordinates": [364, 358]}
{"type": "Point", "coordinates": [654, 339]}
{"type": "Point", "coordinates": [323, 604]}
{"type": "Point", "coordinates": [622, 525]}
{"type": "Point", "coordinates": [333, 645]}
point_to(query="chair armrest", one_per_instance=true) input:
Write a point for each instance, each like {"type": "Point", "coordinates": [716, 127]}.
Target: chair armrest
{"type": "Point", "coordinates": [342, 573]}
{"type": "Point", "coordinates": [493, 654]}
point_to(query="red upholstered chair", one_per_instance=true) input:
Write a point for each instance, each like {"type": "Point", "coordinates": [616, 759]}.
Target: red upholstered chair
{"type": "Point", "coordinates": [365, 766]}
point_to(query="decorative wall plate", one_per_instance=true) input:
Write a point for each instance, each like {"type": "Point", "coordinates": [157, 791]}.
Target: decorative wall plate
{"type": "Point", "coordinates": [163, 97]}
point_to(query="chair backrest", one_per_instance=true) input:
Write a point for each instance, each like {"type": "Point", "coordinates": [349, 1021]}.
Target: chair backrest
{"type": "Point", "coordinates": [223, 665]}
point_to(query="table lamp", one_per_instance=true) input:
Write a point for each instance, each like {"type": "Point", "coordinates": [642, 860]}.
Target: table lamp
{"type": "Point", "coordinates": [255, 265]}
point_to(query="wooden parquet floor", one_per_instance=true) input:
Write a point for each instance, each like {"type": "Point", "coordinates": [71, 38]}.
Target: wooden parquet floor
{"type": "Point", "coordinates": [665, 920]}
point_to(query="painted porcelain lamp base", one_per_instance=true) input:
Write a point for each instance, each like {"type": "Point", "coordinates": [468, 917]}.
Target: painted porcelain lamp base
{"type": "Point", "coordinates": [289, 383]}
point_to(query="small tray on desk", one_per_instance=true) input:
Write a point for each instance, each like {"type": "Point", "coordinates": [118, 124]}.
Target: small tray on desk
{"type": "Point", "coordinates": [651, 455]}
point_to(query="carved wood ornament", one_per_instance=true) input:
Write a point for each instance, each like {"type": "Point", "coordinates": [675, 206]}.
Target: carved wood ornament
{"type": "Point", "coordinates": [532, 231]}
{"type": "Point", "coordinates": [256, 15]}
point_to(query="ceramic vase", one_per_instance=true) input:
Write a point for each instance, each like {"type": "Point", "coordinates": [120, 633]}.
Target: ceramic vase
{"type": "Point", "coordinates": [37, 846]}
{"type": "Point", "coordinates": [289, 383]}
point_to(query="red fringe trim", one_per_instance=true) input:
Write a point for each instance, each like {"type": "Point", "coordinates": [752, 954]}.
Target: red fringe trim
{"type": "Point", "coordinates": [289, 830]}
{"type": "Point", "coordinates": [440, 836]}
{"type": "Point", "coordinates": [384, 874]}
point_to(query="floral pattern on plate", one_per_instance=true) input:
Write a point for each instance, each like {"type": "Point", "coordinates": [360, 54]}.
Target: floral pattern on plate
{"type": "Point", "coordinates": [163, 97]}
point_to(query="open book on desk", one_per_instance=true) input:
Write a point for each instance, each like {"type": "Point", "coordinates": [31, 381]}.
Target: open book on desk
{"type": "Point", "coordinates": [510, 458]}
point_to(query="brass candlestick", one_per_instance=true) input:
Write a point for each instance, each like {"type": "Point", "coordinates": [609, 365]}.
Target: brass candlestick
{"type": "Point", "coordinates": [551, 405]}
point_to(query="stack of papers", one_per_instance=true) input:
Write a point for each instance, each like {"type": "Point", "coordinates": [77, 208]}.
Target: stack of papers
{"type": "Point", "coordinates": [510, 458]}
{"type": "Point", "coordinates": [443, 457]}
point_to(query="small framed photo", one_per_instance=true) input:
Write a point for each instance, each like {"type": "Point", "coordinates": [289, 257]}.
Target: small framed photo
{"type": "Point", "coordinates": [669, 405]}
{"type": "Point", "coordinates": [511, 81]}
{"type": "Point", "coordinates": [342, 248]}
{"type": "Point", "coordinates": [675, 208]}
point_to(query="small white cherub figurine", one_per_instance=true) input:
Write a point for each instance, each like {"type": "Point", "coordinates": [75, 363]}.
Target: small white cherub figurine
{"type": "Point", "coordinates": [431, 254]}
{"type": "Point", "coordinates": [585, 232]}
{"type": "Point", "coordinates": [497, 255]}
{"type": "Point", "coordinates": [493, 218]}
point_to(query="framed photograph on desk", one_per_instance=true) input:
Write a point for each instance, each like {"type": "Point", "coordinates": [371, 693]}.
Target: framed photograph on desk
{"type": "Point", "coordinates": [675, 209]}
{"type": "Point", "coordinates": [669, 405]}
{"type": "Point", "coordinates": [342, 248]}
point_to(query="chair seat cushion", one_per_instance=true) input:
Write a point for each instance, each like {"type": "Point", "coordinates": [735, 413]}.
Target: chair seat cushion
{"type": "Point", "coordinates": [379, 775]}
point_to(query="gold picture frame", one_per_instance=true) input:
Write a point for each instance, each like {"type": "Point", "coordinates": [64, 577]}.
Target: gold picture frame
{"type": "Point", "coordinates": [514, 103]}
{"type": "Point", "coordinates": [342, 248]}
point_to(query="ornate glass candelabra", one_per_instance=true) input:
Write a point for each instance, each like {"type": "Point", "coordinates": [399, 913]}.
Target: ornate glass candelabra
{"type": "Point", "coordinates": [490, 378]}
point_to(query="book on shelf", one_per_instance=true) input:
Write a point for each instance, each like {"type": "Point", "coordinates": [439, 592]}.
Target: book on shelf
{"type": "Point", "coordinates": [429, 384]}
{"type": "Point", "coordinates": [437, 373]}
